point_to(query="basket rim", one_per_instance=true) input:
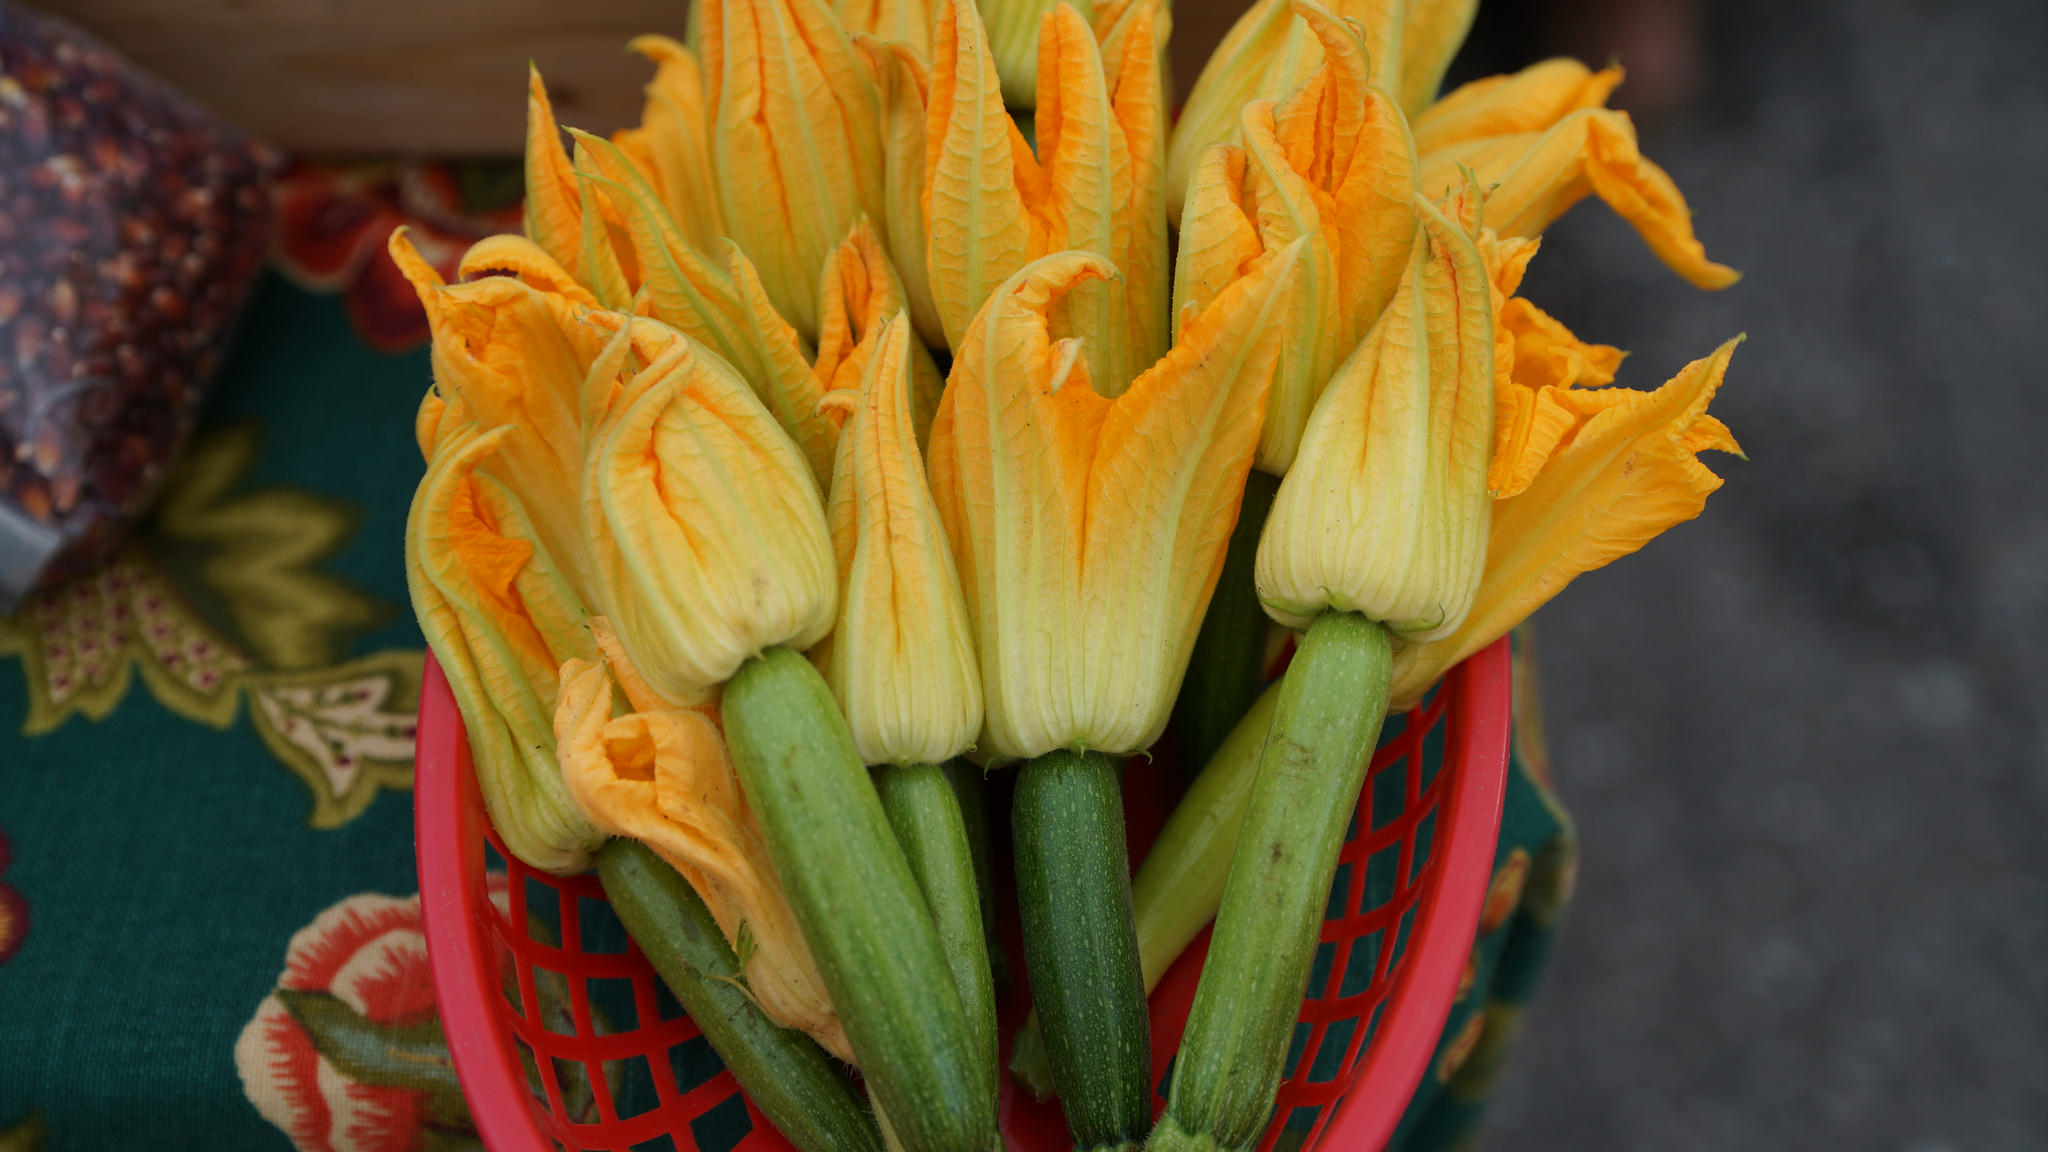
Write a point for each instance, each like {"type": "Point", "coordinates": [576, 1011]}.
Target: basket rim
{"type": "Point", "coordinates": [448, 819]}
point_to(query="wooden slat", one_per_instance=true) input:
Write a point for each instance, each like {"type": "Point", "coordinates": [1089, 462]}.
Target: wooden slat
{"type": "Point", "coordinates": [429, 77]}
{"type": "Point", "coordinates": [441, 77]}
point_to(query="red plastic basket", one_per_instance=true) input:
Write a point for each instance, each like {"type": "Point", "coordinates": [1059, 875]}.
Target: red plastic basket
{"type": "Point", "coordinates": [562, 1033]}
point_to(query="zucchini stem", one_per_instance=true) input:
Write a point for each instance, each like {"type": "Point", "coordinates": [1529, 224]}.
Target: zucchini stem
{"type": "Point", "coordinates": [1081, 945]}
{"type": "Point", "coordinates": [1325, 726]}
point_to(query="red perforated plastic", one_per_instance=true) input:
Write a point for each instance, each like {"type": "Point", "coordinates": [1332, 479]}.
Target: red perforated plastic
{"type": "Point", "coordinates": [552, 976]}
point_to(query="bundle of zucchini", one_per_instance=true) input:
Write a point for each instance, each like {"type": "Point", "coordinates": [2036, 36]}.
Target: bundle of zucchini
{"type": "Point", "coordinates": [902, 410]}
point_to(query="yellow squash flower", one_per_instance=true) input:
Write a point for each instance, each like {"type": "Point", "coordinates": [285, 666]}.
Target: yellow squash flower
{"type": "Point", "coordinates": [1014, 43]}
{"type": "Point", "coordinates": [1541, 141]}
{"type": "Point", "coordinates": [860, 295]}
{"type": "Point", "coordinates": [992, 205]}
{"type": "Point", "coordinates": [499, 614]}
{"type": "Point", "coordinates": [1384, 512]}
{"type": "Point", "coordinates": [1090, 532]}
{"type": "Point", "coordinates": [661, 776]}
{"type": "Point", "coordinates": [672, 143]}
{"type": "Point", "coordinates": [1272, 50]}
{"type": "Point", "coordinates": [902, 659]}
{"type": "Point", "coordinates": [796, 133]}
{"type": "Point", "coordinates": [508, 354]}
{"type": "Point", "coordinates": [904, 80]}
{"type": "Point", "coordinates": [709, 541]}
{"type": "Point", "coordinates": [1625, 470]}
{"type": "Point", "coordinates": [1331, 163]}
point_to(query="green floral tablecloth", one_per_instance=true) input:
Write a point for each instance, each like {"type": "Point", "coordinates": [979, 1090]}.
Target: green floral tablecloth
{"type": "Point", "coordinates": [207, 909]}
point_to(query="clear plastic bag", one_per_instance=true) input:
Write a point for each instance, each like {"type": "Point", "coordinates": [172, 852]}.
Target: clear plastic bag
{"type": "Point", "coordinates": [132, 226]}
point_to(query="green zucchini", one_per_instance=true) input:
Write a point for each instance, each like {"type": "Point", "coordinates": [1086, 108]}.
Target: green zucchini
{"type": "Point", "coordinates": [1332, 702]}
{"type": "Point", "coordinates": [1081, 946]}
{"type": "Point", "coordinates": [788, 1077]}
{"type": "Point", "coordinates": [858, 904]}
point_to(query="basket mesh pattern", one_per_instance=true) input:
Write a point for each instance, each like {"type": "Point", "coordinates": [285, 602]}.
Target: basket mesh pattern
{"type": "Point", "coordinates": [609, 1061]}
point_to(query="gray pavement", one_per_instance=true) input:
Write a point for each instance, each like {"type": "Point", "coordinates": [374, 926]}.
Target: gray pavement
{"type": "Point", "coordinates": [1806, 736]}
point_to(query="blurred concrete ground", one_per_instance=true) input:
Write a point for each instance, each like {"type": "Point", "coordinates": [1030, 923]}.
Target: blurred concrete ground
{"type": "Point", "coordinates": [1806, 737]}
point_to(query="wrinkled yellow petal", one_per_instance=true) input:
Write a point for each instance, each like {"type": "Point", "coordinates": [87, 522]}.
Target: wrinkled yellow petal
{"type": "Point", "coordinates": [1087, 191]}
{"type": "Point", "coordinates": [497, 612]}
{"type": "Point", "coordinates": [1264, 56]}
{"type": "Point", "coordinates": [554, 217]}
{"type": "Point", "coordinates": [904, 81]}
{"type": "Point", "coordinates": [1534, 177]}
{"type": "Point", "coordinates": [1015, 43]}
{"type": "Point", "coordinates": [708, 535]}
{"type": "Point", "coordinates": [901, 660]}
{"type": "Point", "coordinates": [1133, 60]}
{"type": "Point", "coordinates": [1537, 408]}
{"type": "Point", "coordinates": [976, 164]}
{"type": "Point", "coordinates": [596, 255]}
{"type": "Point", "coordinates": [860, 294]}
{"type": "Point", "coordinates": [797, 127]}
{"type": "Point", "coordinates": [512, 355]}
{"type": "Point", "coordinates": [1330, 163]}
{"type": "Point", "coordinates": [664, 779]}
{"type": "Point", "coordinates": [1431, 32]}
{"type": "Point", "coordinates": [1090, 532]}
{"type": "Point", "coordinates": [676, 133]}
{"type": "Point", "coordinates": [1271, 51]}
{"type": "Point", "coordinates": [1384, 512]}
{"type": "Point", "coordinates": [1532, 100]}
{"type": "Point", "coordinates": [1627, 472]}
{"type": "Point", "coordinates": [727, 310]}
{"type": "Point", "coordinates": [1349, 141]}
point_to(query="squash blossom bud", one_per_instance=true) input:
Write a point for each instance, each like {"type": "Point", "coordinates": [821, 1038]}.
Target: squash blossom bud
{"type": "Point", "coordinates": [1090, 532]}
{"type": "Point", "coordinates": [1014, 43]}
{"type": "Point", "coordinates": [662, 777]}
{"type": "Point", "coordinates": [1331, 163]}
{"type": "Point", "coordinates": [498, 612]}
{"type": "Point", "coordinates": [902, 659]}
{"type": "Point", "coordinates": [1271, 51]}
{"type": "Point", "coordinates": [1385, 510]}
{"type": "Point", "coordinates": [993, 205]}
{"type": "Point", "coordinates": [709, 540]}
{"type": "Point", "coordinates": [796, 129]}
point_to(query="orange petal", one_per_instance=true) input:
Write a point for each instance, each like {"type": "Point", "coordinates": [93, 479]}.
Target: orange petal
{"type": "Point", "coordinates": [1623, 477]}
{"type": "Point", "coordinates": [1535, 177]}
{"type": "Point", "coordinates": [664, 778]}
{"type": "Point", "coordinates": [1532, 100]}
